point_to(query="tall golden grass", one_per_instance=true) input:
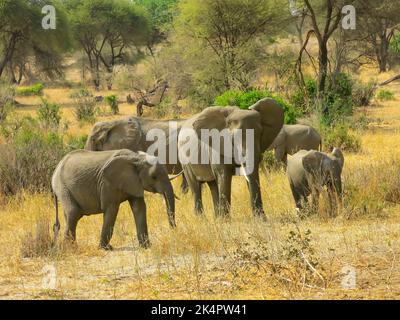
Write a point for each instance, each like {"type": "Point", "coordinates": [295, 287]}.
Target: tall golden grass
{"type": "Point", "coordinates": [239, 258]}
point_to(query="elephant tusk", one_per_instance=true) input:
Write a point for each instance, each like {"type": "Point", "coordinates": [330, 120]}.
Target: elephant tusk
{"type": "Point", "coordinates": [176, 176]}
{"type": "Point", "coordinates": [243, 172]}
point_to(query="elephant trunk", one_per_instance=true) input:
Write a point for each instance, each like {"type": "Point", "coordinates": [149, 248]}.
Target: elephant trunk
{"type": "Point", "coordinates": [89, 144]}
{"type": "Point", "coordinates": [170, 203]}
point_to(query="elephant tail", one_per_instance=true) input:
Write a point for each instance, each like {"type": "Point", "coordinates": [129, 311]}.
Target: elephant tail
{"type": "Point", "coordinates": [56, 227]}
{"type": "Point", "coordinates": [320, 146]}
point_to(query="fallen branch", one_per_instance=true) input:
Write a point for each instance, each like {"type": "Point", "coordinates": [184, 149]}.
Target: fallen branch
{"type": "Point", "coordinates": [389, 81]}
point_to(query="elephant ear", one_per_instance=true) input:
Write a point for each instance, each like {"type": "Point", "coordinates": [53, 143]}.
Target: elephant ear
{"type": "Point", "coordinates": [272, 119]}
{"type": "Point", "coordinates": [313, 162]}
{"type": "Point", "coordinates": [120, 173]}
{"type": "Point", "coordinates": [124, 134]}
{"type": "Point", "coordinates": [338, 155]}
{"type": "Point", "coordinates": [211, 118]}
{"type": "Point", "coordinates": [120, 134]}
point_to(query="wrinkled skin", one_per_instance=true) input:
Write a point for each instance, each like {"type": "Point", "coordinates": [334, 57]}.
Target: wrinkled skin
{"type": "Point", "coordinates": [90, 183]}
{"type": "Point", "coordinates": [265, 118]}
{"type": "Point", "coordinates": [310, 171]}
{"type": "Point", "coordinates": [293, 138]}
{"type": "Point", "coordinates": [130, 133]}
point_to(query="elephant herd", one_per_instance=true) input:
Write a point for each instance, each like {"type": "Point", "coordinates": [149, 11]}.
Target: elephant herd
{"type": "Point", "coordinates": [115, 167]}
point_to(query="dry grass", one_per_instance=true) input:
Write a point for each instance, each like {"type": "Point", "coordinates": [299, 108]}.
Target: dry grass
{"type": "Point", "coordinates": [238, 259]}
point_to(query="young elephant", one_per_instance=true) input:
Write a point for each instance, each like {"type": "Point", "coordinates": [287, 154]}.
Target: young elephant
{"type": "Point", "coordinates": [310, 171]}
{"type": "Point", "coordinates": [293, 138]}
{"type": "Point", "coordinates": [90, 182]}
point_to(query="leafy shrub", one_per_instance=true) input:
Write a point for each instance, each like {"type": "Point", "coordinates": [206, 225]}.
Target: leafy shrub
{"type": "Point", "coordinates": [246, 99]}
{"type": "Point", "coordinates": [85, 106]}
{"type": "Point", "coordinates": [338, 102]}
{"type": "Point", "coordinates": [82, 92]}
{"type": "Point", "coordinates": [339, 136]}
{"type": "Point", "coordinates": [76, 142]}
{"type": "Point", "coordinates": [303, 99]}
{"type": "Point", "coordinates": [29, 157]}
{"type": "Point", "coordinates": [112, 101]}
{"type": "Point", "coordinates": [385, 95]}
{"type": "Point", "coordinates": [7, 94]}
{"type": "Point", "coordinates": [269, 161]}
{"type": "Point", "coordinates": [49, 114]}
{"type": "Point", "coordinates": [34, 90]}
{"type": "Point", "coordinates": [363, 93]}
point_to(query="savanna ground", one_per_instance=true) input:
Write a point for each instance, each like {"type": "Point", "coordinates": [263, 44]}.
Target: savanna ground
{"type": "Point", "coordinates": [242, 258]}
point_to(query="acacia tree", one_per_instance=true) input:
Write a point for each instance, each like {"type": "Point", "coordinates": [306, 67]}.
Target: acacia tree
{"type": "Point", "coordinates": [21, 32]}
{"type": "Point", "coordinates": [325, 17]}
{"type": "Point", "coordinates": [228, 30]}
{"type": "Point", "coordinates": [105, 30]}
{"type": "Point", "coordinates": [161, 14]}
{"type": "Point", "coordinates": [377, 22]}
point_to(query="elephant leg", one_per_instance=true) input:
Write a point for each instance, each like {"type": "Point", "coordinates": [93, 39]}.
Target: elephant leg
{"type": "Point", "coordinates": [195, 187]}
{"type": "Point", "coordinates": [315, 200]}
{"type": "Point", "coordinates": [72, 218]}
{"type": "Point", "coordinates": [255, 194]}
{"type": "Point", "coordinates": [184, 185]}
{"type": "Point", "coordinates": [280, 152]}
{"type": "Point", "coordinates": [139, 211]}
{"type": "Point", "coordinates": [297, 197]}
{"type": "Point", "coordinates": [224, 183]}
{"type": "Point", "coordinates": [215, 196]}
{"type": "Point", "coordinates": [109, 217]}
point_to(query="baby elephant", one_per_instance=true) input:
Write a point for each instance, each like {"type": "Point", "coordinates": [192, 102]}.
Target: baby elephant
{"type": "Point", "coordinates": [293, 138]}
{"type": "Point", "coordinates": [90, 182]}
{"type": "Point", "coordinates": [310, 171]}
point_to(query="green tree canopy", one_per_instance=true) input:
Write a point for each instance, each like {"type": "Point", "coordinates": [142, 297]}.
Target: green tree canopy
{"type": "Point", "coordinates": [22, 34]}
{"type": "Point", "coordinates": [105, 29]}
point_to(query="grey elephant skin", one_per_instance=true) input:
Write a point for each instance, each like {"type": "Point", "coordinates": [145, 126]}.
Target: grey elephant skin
{"type": "Point", "coordinates": [293, 138]}
{"type": "Point", "coordinates": [310, 171]}
{"type": "Point", "coordinates": [130, 133]}
{"type": "Point", "coordinates": [90, 183]}
{"type": "Point", "coordinates": [265, 118]}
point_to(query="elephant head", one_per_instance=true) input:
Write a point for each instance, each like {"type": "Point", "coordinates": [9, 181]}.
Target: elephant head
{"type": "Point", "coordinates": [327, 167]}
{"type": "Point", "coordinates": [264, 119]}
{"type": "Point", "coordinates": [115, 135]}
{"type": "Point", "coordinates": [127, 168]}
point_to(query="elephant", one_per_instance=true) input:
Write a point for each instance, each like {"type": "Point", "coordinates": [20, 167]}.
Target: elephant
{"type": "Point", "coordinates": [264, 119]}
{"type": "Point", "coordinates": [309, 171]}
{"type": "Point", "coordinates": [88, 183]}
{"type": "Point", "coordinates": [130, 133]}
{"type": "Point", "coordinates": [293, 138]}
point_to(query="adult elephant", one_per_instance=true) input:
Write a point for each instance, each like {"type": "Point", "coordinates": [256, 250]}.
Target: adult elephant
{"type": "Point", "coordinates": [90, 183]}
{"type": "Point", "coordinates": [264, 120]}
{"type": "Point", "coordinates": [293, 138]}
{"type": "Point", "coordinates": [131, 133]}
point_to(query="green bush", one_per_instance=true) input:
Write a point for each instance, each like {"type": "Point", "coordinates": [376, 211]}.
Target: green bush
{"type": "Point", "coordinates": [339, 136]}
{"type": "Point", "coordinates": [246, 99]}
{"type": "Point", "coordinates": [303, 99]}
{"type": "Point", "coordinates": [363, 93]}
{"type": "Point", "coordinates": [34, 90]}
{"type": "Point", "coordinates": [112, 101]}
{"type": "Point", "coordinates": [82, 92]}
{"type": "Point", "coordinates": [338, 101]}
{"type": "Point", "coordinates": [49, 114]}
{"type": "Point", "coordinates": [7, 94]}
{"type": "Point", "coordinates": [76, 142]}
{"type": "Point", "coordinates": [385, 95]}
{"type": "Point", "coordinates": [29, 157]}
